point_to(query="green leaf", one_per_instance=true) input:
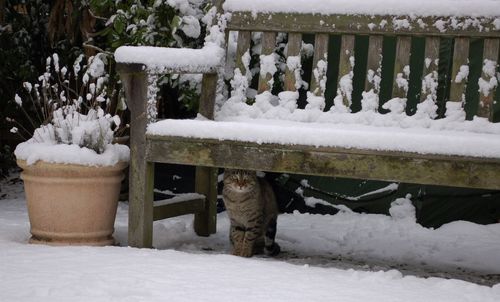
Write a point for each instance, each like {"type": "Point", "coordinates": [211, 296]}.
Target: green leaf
{"type": "Point", "coordinates": [119, 25]}
{"type": "Point", "coordinates": [176, 22]}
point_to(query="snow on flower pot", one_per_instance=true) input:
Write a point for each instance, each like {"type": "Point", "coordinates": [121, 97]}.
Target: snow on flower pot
{"type": "Point", "coordinates": [72, 204]}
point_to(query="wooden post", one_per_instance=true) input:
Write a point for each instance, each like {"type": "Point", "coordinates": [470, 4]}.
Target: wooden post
{"type": "Point", "coordinates": [205, 222]}
{"type": "Point", "coordinates": [141, 182]}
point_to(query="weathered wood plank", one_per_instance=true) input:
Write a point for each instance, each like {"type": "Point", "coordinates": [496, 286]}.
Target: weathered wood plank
{"type": "Point", "coordinates": [293, 52]}
{"type": "Point", "coordinates": [460, 61]}
{"type": "Point", "coordinates": [352, 163]}
{"type": "Point", "coordinates": [430, 73]}
{"type": "Point", "coordinates": [320, 63]}
{"type": "Point", "coordinates": [346, 65]}
{"type": "Point", "coordinates": [243, 45]}
{"type": "Point", "coordinates": [374, 64]}
{"type": "Point", "coordinates": [205, 222]}
{"type": "Point", "coordinates": [208, 94]}
{"type": "Point", "coordinates": [402, 67]}
{"type": "Point", "coordinates": [168, 210]}
{"type": "Point", "coordinates": [268, 46]}
{"type": "Point", "coordinates": [125, 68]}
{"type": "Point", "coordinates": [490, 68]}
{"type": "Point", "coordinates": [141, 180]}
{"type": "Point", "coordinates": [364, 24]}
{"type": "Point", "coordinates": [135, 67]}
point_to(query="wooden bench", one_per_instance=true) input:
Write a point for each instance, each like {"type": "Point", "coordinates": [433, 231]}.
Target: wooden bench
{"type": "Point", "coordinates": [218, 147]}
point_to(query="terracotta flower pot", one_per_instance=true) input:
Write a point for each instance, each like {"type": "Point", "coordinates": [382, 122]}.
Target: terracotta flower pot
{"type": "Point", "coordinates": [72, 204]}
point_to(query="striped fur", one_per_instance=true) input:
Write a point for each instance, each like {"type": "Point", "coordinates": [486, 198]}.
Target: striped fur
{"type": "Point", "coordinates": [253, 212]}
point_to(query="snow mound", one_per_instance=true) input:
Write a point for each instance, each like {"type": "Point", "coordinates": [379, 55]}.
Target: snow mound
{"type": "Point", "coordinates": [71, 154]}
{"type": "Point", "coordinates": [170, 58]}
{"type": "Point", "coordinates": [476, 8]}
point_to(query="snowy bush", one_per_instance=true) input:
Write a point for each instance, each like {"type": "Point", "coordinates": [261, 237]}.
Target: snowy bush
{"type": "Point", "coordinates": [165, 23]}
{"type": "Point", "coordinates": [69, 105]}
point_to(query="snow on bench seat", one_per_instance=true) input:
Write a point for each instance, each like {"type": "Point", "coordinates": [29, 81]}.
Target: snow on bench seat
{"type": "Point", "coordinates": [350, 136]}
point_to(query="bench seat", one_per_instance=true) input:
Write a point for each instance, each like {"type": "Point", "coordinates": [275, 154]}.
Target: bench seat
{"type": "Point", "coordinates": [415, 155]}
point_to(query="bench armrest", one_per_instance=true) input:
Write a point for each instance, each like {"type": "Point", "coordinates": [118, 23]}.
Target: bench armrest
{"type": "Point", "coordinates": [169, 60]}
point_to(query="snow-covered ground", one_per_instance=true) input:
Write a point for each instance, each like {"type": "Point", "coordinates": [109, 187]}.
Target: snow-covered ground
{"type": "Point", "coordinates": [344, 257]}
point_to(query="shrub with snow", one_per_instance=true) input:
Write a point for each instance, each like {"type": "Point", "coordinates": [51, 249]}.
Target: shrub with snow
{"type": "Point", "coordinates": [68, 106]}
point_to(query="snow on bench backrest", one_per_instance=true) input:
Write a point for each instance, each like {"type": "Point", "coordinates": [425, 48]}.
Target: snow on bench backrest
{"type": "Point", "coordinates": [271, 32]}
{"type": "Point", "coordinates": [423, 8]}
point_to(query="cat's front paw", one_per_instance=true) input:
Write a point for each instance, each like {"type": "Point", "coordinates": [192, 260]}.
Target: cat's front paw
{"type": "Point", "coordinates": [246, 253]}
{"type": "Point", "coordinates": [236, 250]}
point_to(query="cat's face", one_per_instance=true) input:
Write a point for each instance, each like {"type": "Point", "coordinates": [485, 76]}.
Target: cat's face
{"type": "Point", "coordinates": [240, 180]}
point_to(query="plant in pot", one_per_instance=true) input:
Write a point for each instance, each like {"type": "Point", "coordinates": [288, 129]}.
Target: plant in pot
{"type": "Point", "coordinates": [71, 169]}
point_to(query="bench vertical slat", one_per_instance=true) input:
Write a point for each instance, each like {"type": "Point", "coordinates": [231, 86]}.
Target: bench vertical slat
{"type": "Point", "coordinates": [430, 73]}
{"type": "Point", "coordinates": [346, 65]}
{"type": "Point", "coordinates": [318, 79]}
{"type": "Point", "coordinates": [207, 97]}
{"type": "Point", "coordinates": [374, 64]}
{"type": "Point", "coordinates": [268, 46]}
{"type": "Point", "coordinates": [401, 67]}
{"type": "Point", "coordinates": [294, 46]}
{"type": "Point", "coordinates": [243, 45]}
{"type": "Point", "coordinates": [486, 98]}
{"type": "Point", "coordinates": [460, 58]}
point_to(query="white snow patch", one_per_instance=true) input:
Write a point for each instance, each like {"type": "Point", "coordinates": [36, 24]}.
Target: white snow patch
{"type": "Point", "coordinates": [157, 58]}
{"type": "Point", "coordinates": [403, 209]}
{"type": "Point", "coordinates": [462, 74]}
{"type": "Point", "coordinates": [396, 105]}
{"type": "Point", "coordinates": [294, 65]}
{"type": "Point", "coordinates": [389, 188]}
{"type": "Point", "coordinates": [488, 82]}
{"type": "Point", "coordinates": [476, 8]}
{"type": "Point", "coordinates": [177, 270]}
{"type": "Point", "coordinates": [71, 154]}
{"type": "Point", "coordinates": [191, 26]}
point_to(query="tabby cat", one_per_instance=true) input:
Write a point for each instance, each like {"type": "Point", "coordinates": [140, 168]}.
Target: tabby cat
{"type": "Point", "coordinates": [253, 212]}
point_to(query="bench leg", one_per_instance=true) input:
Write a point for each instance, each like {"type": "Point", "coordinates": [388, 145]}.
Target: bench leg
{"type": "Point", "coordinates": [140, 223]}
{"type": "Point", "coordinates": [140, 217]}
{"type": "Point", "coordinates": [206, 184]}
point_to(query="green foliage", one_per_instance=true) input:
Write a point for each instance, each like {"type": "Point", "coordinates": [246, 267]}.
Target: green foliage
{"type": "Point", "coordinates": [151, 23]}
{"type": "Point", "coordinates": [22, 38]}
{"type": "Point", "coordinates": [34, 30]}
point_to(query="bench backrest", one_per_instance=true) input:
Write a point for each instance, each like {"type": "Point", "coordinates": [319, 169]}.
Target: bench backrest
{"type": "Point", "coordinates": [335, 38]}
